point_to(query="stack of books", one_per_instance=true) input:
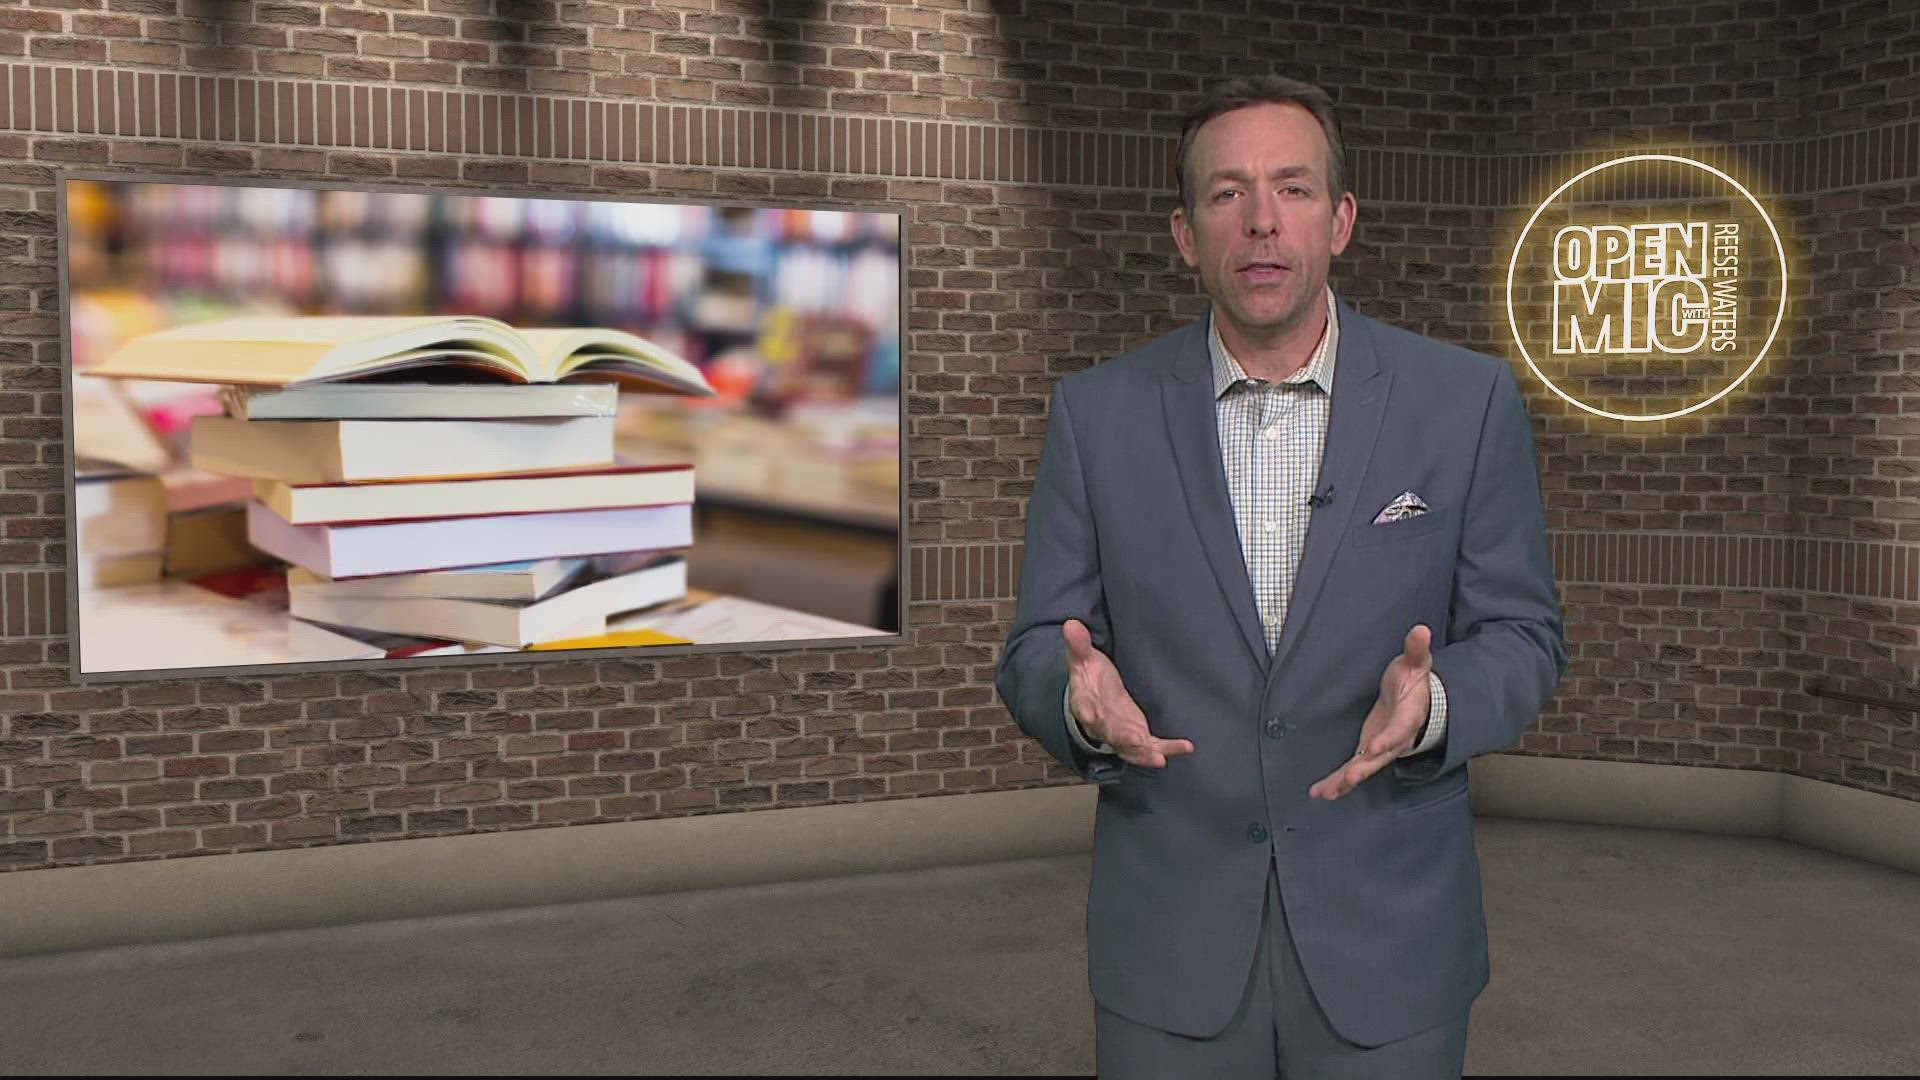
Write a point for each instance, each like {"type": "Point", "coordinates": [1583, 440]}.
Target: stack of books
{"type": "Point", "coordinates": [442, 508]}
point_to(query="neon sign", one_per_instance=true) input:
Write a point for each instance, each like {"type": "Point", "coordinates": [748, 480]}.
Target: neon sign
{"type": "Point", "coordinates": [1662, 300]}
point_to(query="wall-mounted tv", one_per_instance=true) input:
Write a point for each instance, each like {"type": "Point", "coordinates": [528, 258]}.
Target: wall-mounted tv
{"type": "Point", "coordinates": [318, 425]}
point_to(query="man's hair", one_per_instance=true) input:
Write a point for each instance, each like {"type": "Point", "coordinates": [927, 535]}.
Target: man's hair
{"type": "Point", "coordinates": [1256, 90]}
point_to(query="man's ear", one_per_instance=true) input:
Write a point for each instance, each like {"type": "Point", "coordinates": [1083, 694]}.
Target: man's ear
{"type": "Point", "coordinates": [1183, 235]}
{"type": "Point", "coordinates": [1343, 215]}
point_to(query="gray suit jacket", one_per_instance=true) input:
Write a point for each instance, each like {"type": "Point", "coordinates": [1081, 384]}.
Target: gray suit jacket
{"type": "Point", "coordinates": [1130, 530]}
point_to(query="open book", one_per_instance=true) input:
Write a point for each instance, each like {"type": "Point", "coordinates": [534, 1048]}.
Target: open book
{"type": "Point", "coordinates": [296, 350]}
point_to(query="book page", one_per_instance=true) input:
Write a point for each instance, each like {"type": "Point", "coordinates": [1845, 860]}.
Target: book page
{"type": "Point", "coordinates": [282, 351]}
{"type": "Point", "coordinates": [562, 351]}
{"type": "Point", "coordinates": [108, 427]}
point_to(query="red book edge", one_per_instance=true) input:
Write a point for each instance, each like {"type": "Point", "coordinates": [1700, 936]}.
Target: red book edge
{"type": "Point", "coordinates": [420, 647]}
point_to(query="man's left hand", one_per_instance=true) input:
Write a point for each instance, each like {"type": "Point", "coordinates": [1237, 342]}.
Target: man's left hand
{"type": "Point", "coordinates": [1397, 718]}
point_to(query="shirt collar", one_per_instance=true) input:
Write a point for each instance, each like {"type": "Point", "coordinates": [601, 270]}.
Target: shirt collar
{"type": "Point", "coordinates": [1318, 369]}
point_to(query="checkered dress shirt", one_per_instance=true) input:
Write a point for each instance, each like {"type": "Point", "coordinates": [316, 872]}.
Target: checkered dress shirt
{"type": "Point", "coordinates": [1271, 438]}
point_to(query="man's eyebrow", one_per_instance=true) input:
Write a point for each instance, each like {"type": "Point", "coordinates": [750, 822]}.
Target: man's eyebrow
{"type": "Point", "coordinates": [1285, 172]}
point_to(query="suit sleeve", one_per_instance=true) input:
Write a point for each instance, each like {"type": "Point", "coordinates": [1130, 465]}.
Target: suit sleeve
{"type": "Point", "coordinates": [1059, 580]}
{"type": "Point", "coordinates": [1506, 645]}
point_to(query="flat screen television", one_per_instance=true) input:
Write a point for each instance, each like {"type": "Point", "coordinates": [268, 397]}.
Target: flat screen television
{"type": "Point", "coordinates": [326, 425]}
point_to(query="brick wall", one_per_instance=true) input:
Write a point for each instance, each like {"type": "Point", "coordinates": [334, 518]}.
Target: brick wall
{"type": "Point", "coordinates": [1857, 65]}
{"type": "Point", "coordinates": [1727, 570]}
{"type": "Point", "coordinates": [1713, 567]}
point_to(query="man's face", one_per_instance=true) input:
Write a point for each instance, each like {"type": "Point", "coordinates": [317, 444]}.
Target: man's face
{"type": "Point", "coordinates": [1263, 228]}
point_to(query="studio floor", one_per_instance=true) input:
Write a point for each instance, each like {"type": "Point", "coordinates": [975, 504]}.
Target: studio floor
{"type": "Point", "coordinates": [1615, 951]}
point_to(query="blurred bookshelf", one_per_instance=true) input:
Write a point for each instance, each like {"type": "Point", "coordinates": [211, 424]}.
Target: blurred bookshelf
{"type": "Point", "coordinates": [700, 280]}
{"type": "Point", "coordinates": [793, 315]}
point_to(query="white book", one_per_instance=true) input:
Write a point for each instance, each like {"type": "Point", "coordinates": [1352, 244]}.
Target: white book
{"type": "Point", "coordinates": [339, 451]}
{"type": "Point", "coordinates": [418, 401]}
{"type": "Point", "coordinates": [528, 579]}
{"type": "Point", "coordinates": [579, 489]}
{"type": "Point", "coordinates": [406, 646]}
{"type": "Point", "coordinates": [579, 611]}
{"type": "Point", "coordinates": [393, 547]}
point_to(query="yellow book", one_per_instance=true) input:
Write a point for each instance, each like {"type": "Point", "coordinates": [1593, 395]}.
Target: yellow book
{"type": "Point", "coordinates": [612, 640]}
{"type": "Point", "coordinates": [303, 349]}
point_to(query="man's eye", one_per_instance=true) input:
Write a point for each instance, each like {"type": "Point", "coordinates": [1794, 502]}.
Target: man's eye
{"type": "Point", "coordinates": [1294, 189]}
{"type": "Point", "coordinates": [1218, 195]}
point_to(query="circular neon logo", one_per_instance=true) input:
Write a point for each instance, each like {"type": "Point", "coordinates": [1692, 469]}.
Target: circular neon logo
{"type": "Point", "coordinates": [1646, 287]}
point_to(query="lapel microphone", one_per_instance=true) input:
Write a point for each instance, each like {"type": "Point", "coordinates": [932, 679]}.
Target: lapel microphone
{"type": "Point", "coordinates": [1323, 498]}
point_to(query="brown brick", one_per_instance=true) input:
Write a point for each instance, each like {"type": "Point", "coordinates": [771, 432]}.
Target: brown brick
{"type": "Point", "coordinates": [87, 847]}
{"type": "Point", "coordinates": [155, 843]}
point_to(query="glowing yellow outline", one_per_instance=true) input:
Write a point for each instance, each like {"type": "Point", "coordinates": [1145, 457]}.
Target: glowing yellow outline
{"type": "Point", "coordinates": [1514, 263]}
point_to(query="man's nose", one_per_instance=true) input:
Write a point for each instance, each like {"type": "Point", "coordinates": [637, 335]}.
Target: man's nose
{"type": "Point", "coordinates": [1263, 215]}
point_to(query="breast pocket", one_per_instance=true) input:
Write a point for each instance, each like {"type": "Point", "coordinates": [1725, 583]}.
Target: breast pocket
{"type": "Point", "coordinates": [1364, 533]}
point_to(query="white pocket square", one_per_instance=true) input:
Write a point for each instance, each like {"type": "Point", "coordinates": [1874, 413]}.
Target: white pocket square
{"type": "Point", "coordinates": [1403, 506]}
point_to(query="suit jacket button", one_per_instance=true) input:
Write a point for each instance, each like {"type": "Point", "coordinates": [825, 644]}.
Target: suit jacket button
{"type": "Point", "coordinates": [1257, 833]}
{"type": "Point", "coordinates": [1275, 728]}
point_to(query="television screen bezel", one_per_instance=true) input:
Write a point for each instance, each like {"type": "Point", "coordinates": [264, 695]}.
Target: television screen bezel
{"type": "Point", "coordinates": [64, 176]}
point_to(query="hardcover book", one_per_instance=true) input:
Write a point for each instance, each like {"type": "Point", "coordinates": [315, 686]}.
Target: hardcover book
{"type": "Point", "coordinates": [355, 550]}
{"type": "Point", "coordinates": [585, 489]}
{"type": "Point", "coordinates": [339, 451]}
{"type": "Point", "coordinates": [528, 579]}
{"type": "Point", "coordinates": [576, 611]}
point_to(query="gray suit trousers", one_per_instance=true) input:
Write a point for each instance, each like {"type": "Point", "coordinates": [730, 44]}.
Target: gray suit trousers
{"type": "Point", "coordinates": [1278, 1031]}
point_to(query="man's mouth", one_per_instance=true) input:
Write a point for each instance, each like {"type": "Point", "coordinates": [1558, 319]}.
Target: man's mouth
{"type": "Point", "coordinates": [1262, 271]}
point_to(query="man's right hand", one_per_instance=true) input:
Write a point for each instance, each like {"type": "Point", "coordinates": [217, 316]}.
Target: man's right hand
{"type": "Point", "coordinates": [1103, 707]}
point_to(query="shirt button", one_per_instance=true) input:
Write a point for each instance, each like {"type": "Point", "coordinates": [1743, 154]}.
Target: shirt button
{"type": "Point", "coordinates": [1257, 833]}
{"type": "Point", "coordinates": [1272, 432]}
{"type": "Point", "coordinates": [1272, 525]}
{"type": "Point", "coordinates": [1275, 728]}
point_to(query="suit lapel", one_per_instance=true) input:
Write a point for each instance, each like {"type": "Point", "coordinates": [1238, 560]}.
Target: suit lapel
{"type": "Point", "coordinates": [1193, 428]}
{"type": "Point", "coordinates": [1353, 427]}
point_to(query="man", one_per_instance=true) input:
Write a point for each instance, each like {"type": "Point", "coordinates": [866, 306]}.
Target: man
{"type": "Point", "coordinates": [1285, 572]}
